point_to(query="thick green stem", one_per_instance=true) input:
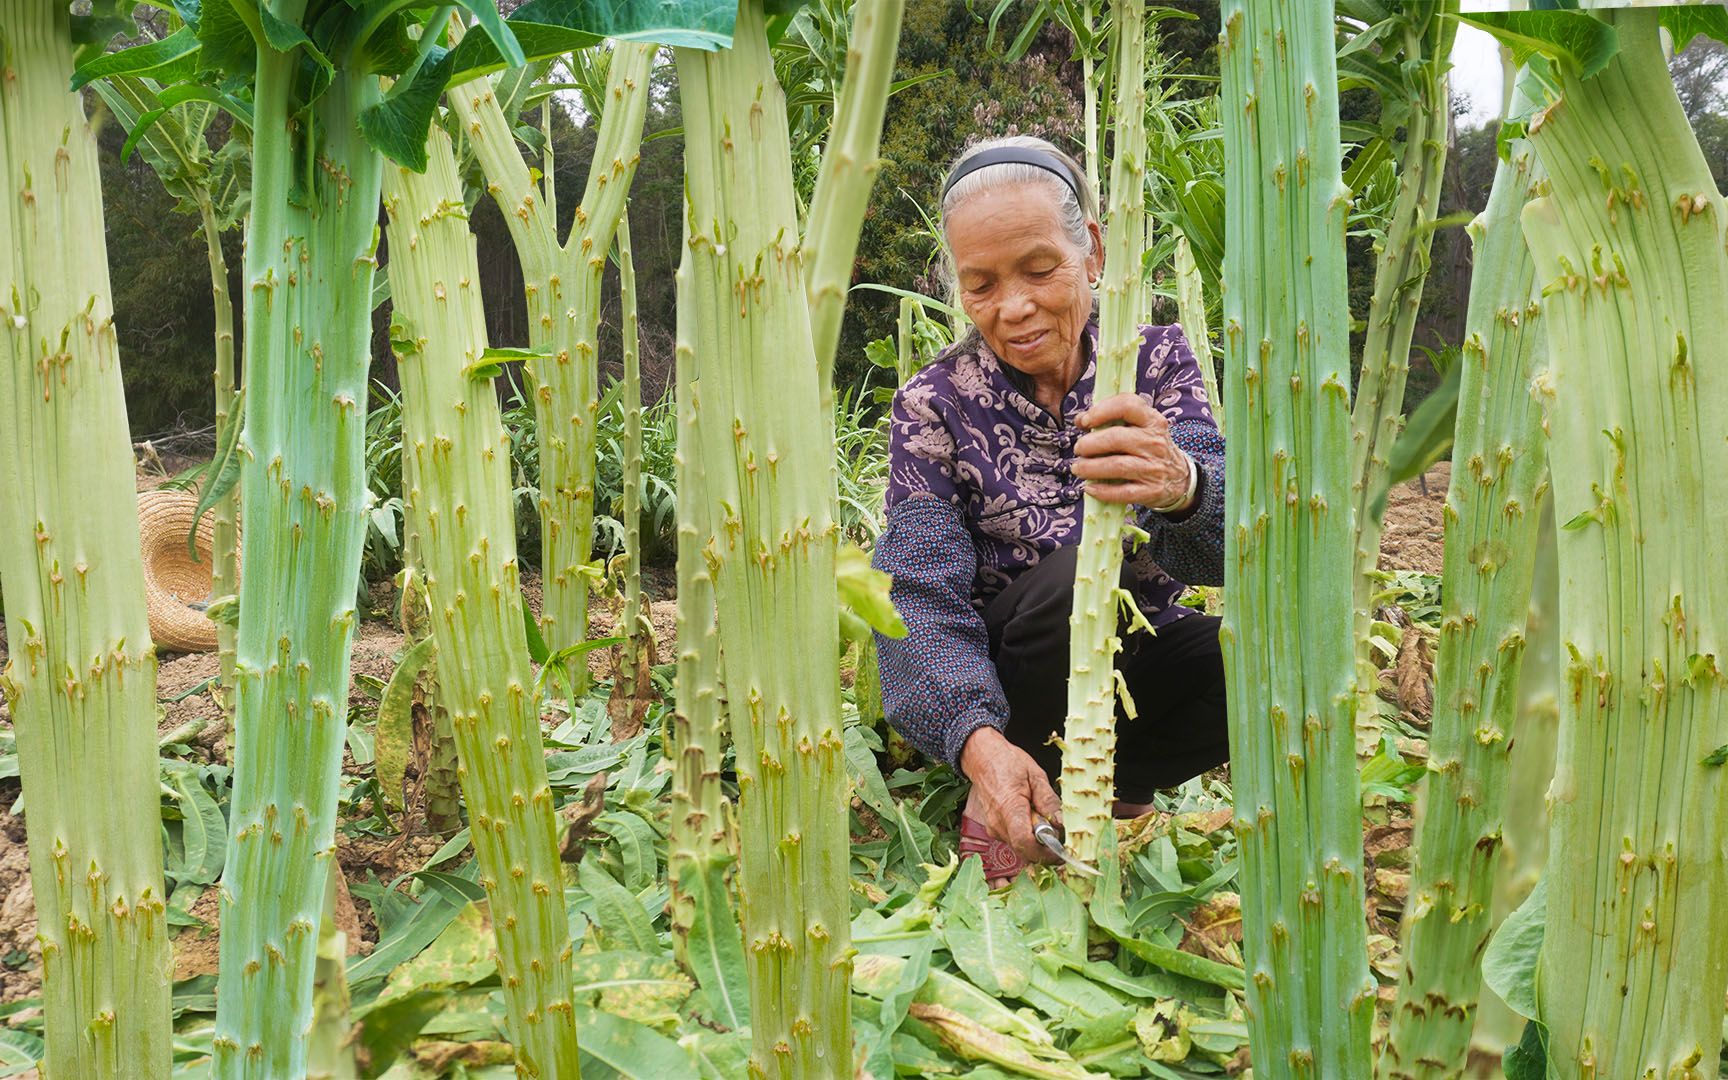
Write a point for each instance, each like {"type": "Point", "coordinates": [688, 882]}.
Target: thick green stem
{"type": "Point", "coordinates": [1399, 273]}
{"type": "Point", "coordinates": [744, 327]}
{"type": "Point", "coordinates": [310, 264]}
{"type": "Point", "coordinates": [1089, 99]}
{"type": "Point", "coordinates": [849, 167]}
{"type": "Point", "coordinates": [1191, 312]}
{"type": "Point", "coordinates": [638, 635]}
{"type": "Point", "coordinates": [81, 677]}
{"type": "Point", "coordinates": [1286, 634]}
{"type": "Point", "coordinates": [563, 288]}
{"type": "Point", "coordinates": [462, 497]}
{"type": "Point", "coordinates": [1089, 738]}
{"type": "Point", "coordinates": [1524, 827]}
{"type": "Point", "coordinates": [698, 817]}
{"type": "Point", "coordinates": [1494, 510]}
{"type": "Point", "coordinates": [1629, 249]}
{"type": "Point", "coordinates": [225, 542]}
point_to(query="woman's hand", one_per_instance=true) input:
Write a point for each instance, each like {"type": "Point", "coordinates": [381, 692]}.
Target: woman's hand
{"type": "Point", "coordinates": [1133, 461]}
{"type": "Point", "coordinates": [1008, 787]}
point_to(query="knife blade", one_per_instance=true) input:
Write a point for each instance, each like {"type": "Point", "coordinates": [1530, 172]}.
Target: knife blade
{"type": "Point", "coordinates": [1051, 839]}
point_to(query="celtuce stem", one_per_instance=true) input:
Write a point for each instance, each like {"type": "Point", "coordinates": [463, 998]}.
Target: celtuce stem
{"type": "Point", "coordinates": [225, 538]}
{"type": "Point", "coordinates": [1494, 510]}
{"type": "Point", "coordinates": [1089, 737]}
{"type": "Point", "coordinates": [563, 290]}
{"type": "Point", "coordinates": [81, 678]}
{"type": "Point", "coordinates": [754, 397]}
{"type": "Point", "coordinates": [1400, 270]}
{"type": "Point", "coordinates": [462, 499]}
{"type": "Point", "coordinates": [638, 636]}
{"type": "Point", "coordinates": [309, 271]}
{"type": "Point", "coordinates": [850, 163]}
{"type": "Point", "coordinates": [697, 841]}
{"type": "Point", "coordinates": [1630, 255]}
{"type": "Point", "coordinates": [1286, 636]}
{"type": "Point", "coordinates": [1191, 312]}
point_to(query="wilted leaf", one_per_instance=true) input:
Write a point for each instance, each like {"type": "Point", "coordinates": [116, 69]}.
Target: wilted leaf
{"type": "Point", "coordinates": [394, 735]}
{"type": "Point", "coordinates": [644, 987]}
{"type": "Point", "coordinates": [460, 955]}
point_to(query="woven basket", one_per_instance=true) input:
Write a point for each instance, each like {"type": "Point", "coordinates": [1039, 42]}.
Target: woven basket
{"type": "Point", "coordinates": [172, 581]}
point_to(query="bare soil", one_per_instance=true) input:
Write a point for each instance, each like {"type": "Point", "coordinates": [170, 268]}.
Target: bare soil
{"type": "Point", "coordinates": [1412, 538]}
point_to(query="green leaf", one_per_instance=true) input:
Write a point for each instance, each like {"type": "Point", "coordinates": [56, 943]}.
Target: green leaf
{"type": "Point", "coordinates": [556, 661]}
{"type": "Point", "coordinates": [393, 1026]}
{"type": "Point", "coordinates": [691, 24]}
{"type": "Point", "coordinates": [635, 840]}
{"type": "Point", "coordinates": [1686, 23]}
{"type": "Point", "coordinates": [1716, 757]}
{"type": "Point", "coordinates": [19, 1050]}
{"type": "Point", "coordinates": [224, 471]}
{"type": "Point", "coordinates": [397, 126]}
{"type": "Point", "coordinates": [394, 737]}
{"type": "Point", "coordinates": [486, 16]}
{"type": "Point", "coordinates": [537, 650]}
{"type": "Point", "coordinates": [228, 45]}
{"type": "Point", "coordinates": [864, 591]}
{"type": "Point", "coordinates": [139, 59]}
{"type": "Point", "coordinates": [1529, 1059]}
{"type": "Point", "coordinates": [203, 830]}
{"type": "Point", "coordinates": [286, 37]}
{"type": "Point", "coordinates": [1509, 964]}
{"type": "Point", "coordinates": [719, 1055]}
{"type": "Point", "coordinates": [461, 955]}
{"type": "Point", "coordinates": [992, 956]}
{"type": "Point", "coordinates": [1577, 40]}
{"type": "Point", "coordinates": [491, 363]}
{"type": "Point", "coordinates": [224, 610]}
{"type": "Point", "coordinates": [716, 946]}
{"type": "Point", "coordinates": [1426, 437]}
{"type": "Point", "coordinates": [408, 934]}
{"type": "Point", "coordinates": [879, 1058]}
{"type": "Point", "coordinates": [620, 919]}
{"type": "Point", "coordinates": [228, 103]}
{"type": "Point", "coordinates": [1109, 916]}
{"type": "Point", "coordinates": [635, 1050]}
{"type": "Point", "coordinates": [478, 55]}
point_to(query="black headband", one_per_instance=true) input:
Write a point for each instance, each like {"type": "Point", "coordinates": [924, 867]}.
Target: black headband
{"type": "Point", "coordinates": [1014, 155]}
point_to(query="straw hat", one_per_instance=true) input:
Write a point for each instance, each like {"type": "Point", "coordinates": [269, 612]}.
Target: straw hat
{"type": "Point", "coordinates": [173, 583]}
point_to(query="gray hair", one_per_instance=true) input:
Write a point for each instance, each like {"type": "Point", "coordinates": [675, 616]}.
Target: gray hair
{"type": "Point", "coordinates": [1073, 209]}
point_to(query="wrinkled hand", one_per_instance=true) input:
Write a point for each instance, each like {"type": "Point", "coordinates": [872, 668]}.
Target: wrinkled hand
{"type": "Point", "coordinates": [1011, 787]}
{"type": "Point", "coordinates": [1133, 461]}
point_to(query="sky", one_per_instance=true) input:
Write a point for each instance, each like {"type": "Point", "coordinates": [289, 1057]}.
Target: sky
{"type": "Point", "coordinates": [1476, 73]}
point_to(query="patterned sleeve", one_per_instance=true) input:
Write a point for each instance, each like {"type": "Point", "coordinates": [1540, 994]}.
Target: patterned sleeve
{"type": "Point", "coordinates": [1189, 545]}
{"type": "Point", "coordinates": [938, 682]}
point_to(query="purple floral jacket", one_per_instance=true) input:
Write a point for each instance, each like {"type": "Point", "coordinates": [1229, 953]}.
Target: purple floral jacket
{"type": "Point", "coordinates": [980, 489]}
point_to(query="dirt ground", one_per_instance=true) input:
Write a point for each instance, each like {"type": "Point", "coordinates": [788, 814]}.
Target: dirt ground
{"type": "Point", "coordinates": [1412, 538]}
{"type": "Point", "coordinates": [1412, 541]}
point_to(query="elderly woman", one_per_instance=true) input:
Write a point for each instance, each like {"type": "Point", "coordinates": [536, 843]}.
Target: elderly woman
{"type": "Point", "coordinates": [992, 447]}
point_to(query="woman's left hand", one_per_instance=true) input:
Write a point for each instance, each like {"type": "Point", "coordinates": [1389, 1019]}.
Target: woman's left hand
{"type": "Point", "coordinates": [1133, 461]}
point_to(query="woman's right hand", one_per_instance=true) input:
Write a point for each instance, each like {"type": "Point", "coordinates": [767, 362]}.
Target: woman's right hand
{"type": "Point", "coordinates": [1008, 788]}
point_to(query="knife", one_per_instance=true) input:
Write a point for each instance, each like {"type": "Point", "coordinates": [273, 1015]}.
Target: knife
{"type": "Point", "coordinates": [1050, 838]}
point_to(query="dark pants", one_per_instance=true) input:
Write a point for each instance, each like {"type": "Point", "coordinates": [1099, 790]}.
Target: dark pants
{"type": "Point", "coordinates": [1175, 677]}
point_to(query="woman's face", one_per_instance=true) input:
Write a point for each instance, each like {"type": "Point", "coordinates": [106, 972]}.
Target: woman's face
{"type": "Point", "coordinates": [1022, 282]}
